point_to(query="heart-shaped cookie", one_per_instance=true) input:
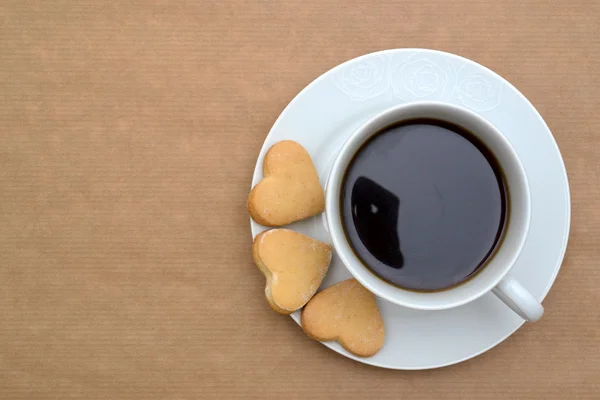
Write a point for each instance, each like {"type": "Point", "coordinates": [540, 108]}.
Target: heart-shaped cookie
{"type": "Point", "coordinates": [294, 266]}
{"type": "Point", "coordinates": [348, 313]}
{"type": "Point", "coordinates": [290, 190]}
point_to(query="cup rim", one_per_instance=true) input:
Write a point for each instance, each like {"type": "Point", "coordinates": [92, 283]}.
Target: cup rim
{"type": "Point", "coordinates": [332, 208]}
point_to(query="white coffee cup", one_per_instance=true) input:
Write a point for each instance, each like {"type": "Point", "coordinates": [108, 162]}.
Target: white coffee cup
{"type": "Point", "coordinates": [494, 275]}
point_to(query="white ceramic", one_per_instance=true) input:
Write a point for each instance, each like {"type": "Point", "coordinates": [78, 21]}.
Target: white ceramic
{"type": "Point", "coordinates": [324, 115]}
{"type": "Point", "coordinates": [494, 274]}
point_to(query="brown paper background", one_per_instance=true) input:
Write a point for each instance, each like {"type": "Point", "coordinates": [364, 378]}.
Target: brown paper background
{"type": "Point", "coordinates": [128, 135]}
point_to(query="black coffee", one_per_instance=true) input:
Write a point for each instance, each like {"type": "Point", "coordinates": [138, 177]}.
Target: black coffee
{"type": "Point", "coordinates": [423, 204]}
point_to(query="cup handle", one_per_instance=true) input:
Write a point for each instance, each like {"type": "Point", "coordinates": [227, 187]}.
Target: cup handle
{"type": "Point", "coordinates": [514, 295]}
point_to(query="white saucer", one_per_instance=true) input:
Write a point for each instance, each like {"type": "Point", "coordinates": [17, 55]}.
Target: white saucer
{"type": "Point", "coordinates": [326, 112]}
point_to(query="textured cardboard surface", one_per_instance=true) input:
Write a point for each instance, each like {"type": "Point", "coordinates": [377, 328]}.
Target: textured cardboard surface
{"type": "Point", "coordinates": [128, 135]}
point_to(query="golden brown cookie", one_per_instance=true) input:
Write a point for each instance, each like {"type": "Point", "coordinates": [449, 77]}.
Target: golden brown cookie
{"type": "Point", "coordinates": [294, 266]}
{"type": "Point", "coordinates": [348, 313]}
{"type": "Point", "coordinates": [290, 190]}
